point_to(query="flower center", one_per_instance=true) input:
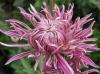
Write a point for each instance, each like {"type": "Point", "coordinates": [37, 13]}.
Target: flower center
{"type": "Point", "coordinates": [52, 27]}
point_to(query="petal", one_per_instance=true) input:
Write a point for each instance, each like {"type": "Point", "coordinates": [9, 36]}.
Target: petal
{"type": "Point", "coordinates": [86, 32]}
{"type": "Point", "coordinates": [15, 34]}
{"type": "Point", "coordinates": [57, 49]}
{"type": "Point", "coordinates": [78, 24]}
{"type": "Point", "coordinates": [85, 19]}
{"type": "Point", "coordinates": [18, 56]}
{"type": "Point", "coordinates": [41, 49]}
{"type": "Point", "coordinates": [49, 61]}
{"type": "Point", "coordinates": [63, 11]}
{"type": "Point", "coordinates": [56, 11]}
{"type": "Point", "coordinates": [47, 11]}
{"type": "Point", "coordinates": [89, 47]}
{"type": "Point", "coordinates": [33, 9]}
{"type": "Point", "coordinates": [87, 39]}
{"type": "Point", "coordinates": [88, 61]}
{"type": "Point", "coordinates": [14, 45]}
{"type": "Point", "coordinates": [64, 66]}
{"type": "Point", "coordinates": [25, 14]}
{"type": "Point", "coordinates": [11, 33]}
{"type": "Point", "coordinates": [90, 71]}
{"type": "Point", "coordinates": [36, 64]}
{"type": "Point", "coordinates": [69, 13]}
{"type": "Point", "coordinates": [19, 23]}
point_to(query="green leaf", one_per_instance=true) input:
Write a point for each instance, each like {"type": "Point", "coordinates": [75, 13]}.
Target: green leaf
{"type": "Point", "coordinates": [18, 3]}
{"type": "Point", "coordinates": [96, 3]}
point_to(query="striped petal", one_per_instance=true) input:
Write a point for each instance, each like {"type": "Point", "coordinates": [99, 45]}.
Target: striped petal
{"type": "Point", "coordinates": [64, 66]}
{"type": "Point", "coordinates": [18, 56]}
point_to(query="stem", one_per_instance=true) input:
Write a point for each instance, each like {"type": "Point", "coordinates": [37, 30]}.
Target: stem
{"type": "Point", "coordinates": [52, 2]}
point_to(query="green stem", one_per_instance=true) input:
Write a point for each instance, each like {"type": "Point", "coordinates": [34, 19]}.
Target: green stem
{"type": "Point", "coordinates": [52, 2]}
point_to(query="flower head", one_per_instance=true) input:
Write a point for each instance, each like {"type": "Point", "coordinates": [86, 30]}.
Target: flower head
{"type": "Point", "coordinates": [61, 41]}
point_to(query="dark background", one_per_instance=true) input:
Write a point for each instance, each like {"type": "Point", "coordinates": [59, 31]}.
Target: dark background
{"type": "Point", "coordinates": [9, 9]}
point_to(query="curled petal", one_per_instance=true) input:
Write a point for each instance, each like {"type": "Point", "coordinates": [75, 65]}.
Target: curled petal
{"type": "Point", "coordinates": [63, 11]}
{"type": "Point", "coordinates": [18, 56]}
{"type": "Point", "coordinates": [48, 63]}
{"type": "Point", "coordinates": [33, 9]}
{"type": "Point", "coordinates": [19, 22]}
{"type": "Point", "coordinates": [89, 47]}
{"type": "Point", "coordinates": [87, 39]}
{"type": "Point", "coordinates": [46, 10]}
{"type": "Point", "coordinates": [56, 11]}
{"type": "Point", "coordinates": [88, 61]}
{"type": "Point", "coordinates": [41, 49]}
{"type": "Point", "coordinates": [86, 32]}
{"type": "Point", "coordinates": [64, 66]}
{"type": "Point", "coordinates": [78, 24]}
{"type": "Point", "coordinates": [85, 19]}
{"type": "Point", "coordinates": [55, 62]}
{"type": "Point", "coordinates": [90, 71]}
{"type": "Point", "coordinates": [25, 14]}
{"type": "Point", "coordinates": [15, 34]}
{"type": "Point", "coordinates": [36, 64]}
{"type": "Point", "coordinates": [14, 45]}
{"type": "Point", "coordinates": [57, 49]}
{"type": "Point", "coordinates": [69, 13]}
{"type": "Point", "coordinates": [11, 33]}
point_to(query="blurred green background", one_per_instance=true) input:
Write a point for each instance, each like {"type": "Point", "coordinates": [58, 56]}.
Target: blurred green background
{"type": "Point", "coordinates": [9, 9]}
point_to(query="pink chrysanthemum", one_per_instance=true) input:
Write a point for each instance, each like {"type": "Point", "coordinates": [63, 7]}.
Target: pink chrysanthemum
{"type": "Point", "coordinates": [56, 38]}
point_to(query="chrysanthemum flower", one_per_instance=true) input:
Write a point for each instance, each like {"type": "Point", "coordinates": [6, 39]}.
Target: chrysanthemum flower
{"type": "Point", "coordinates": [55, 37]}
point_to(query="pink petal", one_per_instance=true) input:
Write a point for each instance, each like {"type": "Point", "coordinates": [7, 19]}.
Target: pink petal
{"type": "Point", "coordinates": [14, 45]}
{"type": "Point", "coordinates": [64, 66]}
{"type": "Point", "coordinates": [16, 35]}
{"type": "Point", "coordinates": [89, 47]}
{"type": "Point", "coordinates": [11, 33]}
{"type": "Point", "coordinates": [88, 61]}
{"type": "Point", "coordinates": [57, 49]}
{"type": "Point", "coordinates": [86, 32]}
{"type": "Point", "coordinates": [63, 11]}
{"type": "Point", "coordinates": [33, 9]}
{"type": "Point", "coordinates": [41, 49]}
{"type": "Point", "coordinates": [19, 23]}
{"type": "Point", "coordinates": [78, 24]}
{"type": "Point", "coordinates": [69, 13]}
{"type": "Point", "coordinates": [48, 63]}
{"type": "Point", "coordinates": [85, 19]}
{"type": "Point", "coordinates": [56, 11]}
{"type": "Point", "coordinates": [36, 64]}
{"type": "Point", "coordinates": [18, 56]}
{"type": "Point", "coordinates": [87, 39]}
{"type": "Point", "coordinates": [47, 11]}
{"type": "Point", "coordinates": [90, 71]}
{"type": "Point", "coordinates": [26, 14]}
